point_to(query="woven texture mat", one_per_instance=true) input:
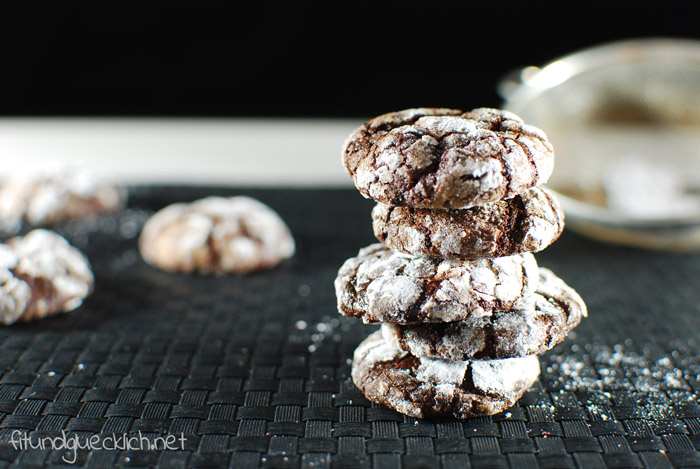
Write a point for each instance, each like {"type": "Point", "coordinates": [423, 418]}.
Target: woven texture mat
{"type": "Point", "coordinates": [253, 371]}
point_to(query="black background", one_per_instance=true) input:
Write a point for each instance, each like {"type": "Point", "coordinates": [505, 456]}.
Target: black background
{"type": "Point", "coordinates": [301, 58]}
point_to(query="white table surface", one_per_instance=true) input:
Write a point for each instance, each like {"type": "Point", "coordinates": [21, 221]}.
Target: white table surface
{"type": "Point", "coordinates": [250, 151]}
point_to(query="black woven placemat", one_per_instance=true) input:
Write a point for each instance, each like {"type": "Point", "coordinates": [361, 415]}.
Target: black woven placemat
{"type": "Point", "coordinates": [252, 371]}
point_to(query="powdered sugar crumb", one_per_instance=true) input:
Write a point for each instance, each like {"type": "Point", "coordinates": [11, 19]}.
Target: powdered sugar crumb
{"type": "Point", "coordinates": [603, 368]}
{"type": "Point", "coordinates": [326, 329]}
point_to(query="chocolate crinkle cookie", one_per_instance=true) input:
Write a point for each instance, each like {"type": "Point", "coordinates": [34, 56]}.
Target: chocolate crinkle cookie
{"type": "Point", "coordinates": [446, 158]}
{"type": "Point", "coordinates": [528, 222]}
{"type": "Point", "coordinates": [55, 194]}
{"type": "Point", "coordinates": [216, 235]}
{"type": "Point", "coordinates": [557, 310]}
{"type": "Point", "coordinates": [41, 274]}
{"type": "Point", "coordinates": [424, 387]}
{"type": "Point", "coordinates": [381, 285]}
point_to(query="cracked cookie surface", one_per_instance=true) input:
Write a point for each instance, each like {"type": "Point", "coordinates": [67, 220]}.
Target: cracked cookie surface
{"type": "Point", "coordinates": [216, 235]}
{"type": "Point", "coordinates": [446, 158]}
{"type": "Point", "coordinates": [41, 274]}
{"type": "Point", "coordinates": [426, 387]}
{"type": "Point", "coordinates": [56, 194]}
{"type": "Point", "coordinates": [556, 311]}
{"type": "Point", "coordinates": [528, 222]}
{"type": "Point", "coordinates": [381, 285]}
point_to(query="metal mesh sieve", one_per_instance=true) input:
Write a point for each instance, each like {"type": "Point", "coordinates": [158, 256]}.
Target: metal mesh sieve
{"type": "Point", "coordinates": [624, 119]}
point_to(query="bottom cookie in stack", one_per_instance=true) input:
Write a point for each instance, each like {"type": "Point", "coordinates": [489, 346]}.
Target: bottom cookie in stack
{"type": "Point", "coordinates": [424, 387]}
{"type": "Point", "coordinates": [468, 368]}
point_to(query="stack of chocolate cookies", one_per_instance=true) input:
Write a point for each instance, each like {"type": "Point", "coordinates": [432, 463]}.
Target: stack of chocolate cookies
{"type": "Point", "coordinates": [464, 307]}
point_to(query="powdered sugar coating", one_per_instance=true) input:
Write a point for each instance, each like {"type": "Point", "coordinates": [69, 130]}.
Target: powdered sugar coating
{"type": "Point", "coordinates": [528, 222]}
{"type": "Point", "coordinates": [41, 274]}
{"type": "Point", "coordinates": [503, 376]}
{"type": "Point", "coordinates": [557, 309]}
{"type": "Point", "coordinates": [216, 234]}
{"type": "Point", "coordinates": [381, 285]}
{"type": "Point", "coordinates": [15, 293]}
{"type": "Point", "coordinates": [57, 193]}
{"type": "Point", "coordinates": [425, 387]}
{"type": "Point", "coordinates": [446, 158]}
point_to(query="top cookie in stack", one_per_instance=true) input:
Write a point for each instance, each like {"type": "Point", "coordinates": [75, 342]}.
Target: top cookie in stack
{"type": "Point", "coordinates": [445, 158]}
{"type": "Point", "coordinates": [465, 308]}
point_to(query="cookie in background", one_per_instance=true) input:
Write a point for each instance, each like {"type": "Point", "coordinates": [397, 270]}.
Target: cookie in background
{"type": "Point", "coordinates": [216, 235]}
{"type": "Point", "coordinates": [41, 274]}
{"type": "Point", "coordinates": [54, 193]}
